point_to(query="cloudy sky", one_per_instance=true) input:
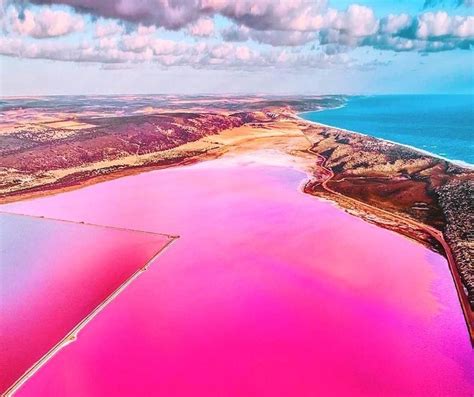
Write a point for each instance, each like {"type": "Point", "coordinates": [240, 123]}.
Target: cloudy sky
{"type": "Point", "coordinates": [236, 46]}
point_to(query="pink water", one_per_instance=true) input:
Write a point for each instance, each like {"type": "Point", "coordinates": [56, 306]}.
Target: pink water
{"type": "Point", "coordinates": [53, 275]}
{"type": "Point", "coordinates": [268, 292]}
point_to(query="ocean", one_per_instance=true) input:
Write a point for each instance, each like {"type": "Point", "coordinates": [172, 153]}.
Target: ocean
{"type": "Point", "coordinates": [440, 124]}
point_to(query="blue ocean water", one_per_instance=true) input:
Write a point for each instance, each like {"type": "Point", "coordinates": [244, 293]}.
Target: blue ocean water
{"type": "Point", "coordinates": [440, 124]}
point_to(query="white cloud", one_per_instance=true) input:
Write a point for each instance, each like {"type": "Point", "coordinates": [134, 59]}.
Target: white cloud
{"type": "Point", "coordinates": [45, 23]}
{"type": "Point", "coordinates": [203, 27]}
{"type": "Point", "coordinates": [167, 53]}
{"type": "Point", "coordinates": [441, 24]}
{"type": "Point", "coordinates": [393, 24]}
{"type": "Point", "coordinates": [130, 34]}
{"type": "Point", "coordinates": [357, 21]}
{"type": "Point", "coordinates": [272, 37]}
{"type": "Point", "coordinates": [105, 29]}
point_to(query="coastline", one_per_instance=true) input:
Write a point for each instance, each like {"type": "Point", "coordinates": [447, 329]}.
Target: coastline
{"type": "Point", "coordinates": [368, 170]}
{"type": "Point", "coordinates": [442, 230]}
{"type": "Point", "coordinates": [446, 251]}
{"type": "Point", "coordinates": [460, 163]}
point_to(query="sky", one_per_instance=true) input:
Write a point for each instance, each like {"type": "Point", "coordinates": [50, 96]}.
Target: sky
{"type": "Point", "coordinates": [66, 47]}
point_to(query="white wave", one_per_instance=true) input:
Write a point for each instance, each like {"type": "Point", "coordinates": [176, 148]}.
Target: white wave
{"type": "Point", "coordinates": [460, 163]}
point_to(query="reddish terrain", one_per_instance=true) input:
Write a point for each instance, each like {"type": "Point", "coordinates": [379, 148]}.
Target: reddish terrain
{"type": "Point", "coordinates": [373, 178]}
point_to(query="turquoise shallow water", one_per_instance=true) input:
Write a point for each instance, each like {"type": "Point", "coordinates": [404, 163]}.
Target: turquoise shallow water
{"type": "Point", "coordinates": [440, 124]}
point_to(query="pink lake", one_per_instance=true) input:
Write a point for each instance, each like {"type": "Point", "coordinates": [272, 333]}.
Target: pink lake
{"type": "Point", "coordinates": [268, 292]}
{"type": "Point", "coordinates": [53, 276]}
